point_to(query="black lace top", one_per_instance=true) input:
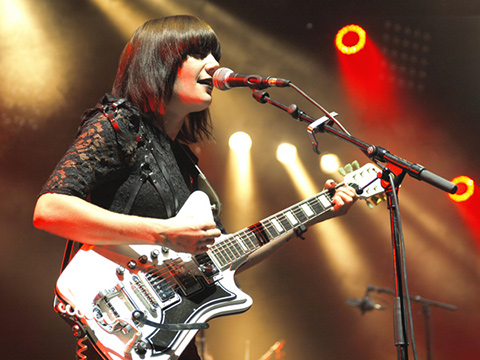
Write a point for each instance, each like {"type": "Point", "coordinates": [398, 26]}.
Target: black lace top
{"type": "Point", "coordinates": [118, 152]}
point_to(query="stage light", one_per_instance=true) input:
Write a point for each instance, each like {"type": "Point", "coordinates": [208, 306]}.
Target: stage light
{"type": "Point", "coordinates": [31, 53]}
{"type": "Point", "coordinates": [466, 188]}
{"type": "Point", "coordinates": [240, 142]}
{"type": "Point", "coordinates": [342, 255]}
{"type": "Point", "coordinates": [350, 39]}
{"type": "Point", "coordinates": [329, 163]}
{"type": "Point", "coordinates": [126, 17]}
{"type": "Point", "coordinates": [286, 153]}
{"type": "Point", "coordinates": [241, 196]}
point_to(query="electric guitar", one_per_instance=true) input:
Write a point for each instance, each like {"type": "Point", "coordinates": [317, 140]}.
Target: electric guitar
{"type": "Point", "coordinates": [147, 302]}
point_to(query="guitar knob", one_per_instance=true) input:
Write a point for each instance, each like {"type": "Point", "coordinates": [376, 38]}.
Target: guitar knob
{"type": "Point", "coordinates": [120, 270]}
{"type": "Point", "coordinates": [143, 259]}
{"type": "Point", "coordinates": [154, 254]}
{"type": "Point", "coordinates": [132, 264]}
{"type": "Point", "coordinates": [141, 348]}
{"type": "Point", "coordinates": [77, 330]}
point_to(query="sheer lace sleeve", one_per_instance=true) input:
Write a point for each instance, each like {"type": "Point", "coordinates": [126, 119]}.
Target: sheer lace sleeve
{"type": "Point", "coordinates": [97, 156]}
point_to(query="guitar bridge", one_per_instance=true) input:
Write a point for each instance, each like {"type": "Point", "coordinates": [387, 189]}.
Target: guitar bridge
{"type": "Point", "coordinates": [108, 307]}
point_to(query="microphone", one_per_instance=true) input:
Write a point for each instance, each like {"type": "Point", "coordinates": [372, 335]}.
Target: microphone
{"type": "Point", "coordinates": [365, 304]}
{"type": "Point", "coordinates": [225, 79]}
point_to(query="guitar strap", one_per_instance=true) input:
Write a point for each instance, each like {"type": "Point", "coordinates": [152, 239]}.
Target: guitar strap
{"type": "Point", "coordinates": [204, 185]}
{"type": "Point", "coordinates": [152, 151]}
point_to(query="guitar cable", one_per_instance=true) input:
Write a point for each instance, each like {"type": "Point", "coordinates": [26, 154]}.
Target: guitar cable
{"type": "Point", "coordinates": [81, 348]}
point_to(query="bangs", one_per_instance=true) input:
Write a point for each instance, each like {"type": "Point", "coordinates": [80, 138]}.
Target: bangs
{"type": "Point", "coordinates": [200, 44]}
{"type": "Point", "coordinates": [192, 36]}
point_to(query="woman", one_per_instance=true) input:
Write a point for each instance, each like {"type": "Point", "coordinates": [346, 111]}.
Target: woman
{"type": "Point", "coordinates": [129, 169]}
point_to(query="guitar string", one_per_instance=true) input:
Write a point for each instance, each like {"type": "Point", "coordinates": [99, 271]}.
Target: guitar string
{"type": "Point", "coordinates": [281, 217]}
{"type": "Point", "coordinates": [230, 246]}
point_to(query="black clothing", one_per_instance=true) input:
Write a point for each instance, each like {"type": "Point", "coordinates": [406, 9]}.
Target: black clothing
{"type": "Point", "coordinates": [117, 153]}
{"type": "Point", "coordinates": [104, 164]}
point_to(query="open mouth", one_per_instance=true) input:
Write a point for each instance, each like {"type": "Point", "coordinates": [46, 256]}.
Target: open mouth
{"type": "Point", "coordinates": [208, 82]}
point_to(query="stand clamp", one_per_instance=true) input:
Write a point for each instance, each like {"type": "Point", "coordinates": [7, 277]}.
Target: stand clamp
{"type": "Point", "coordinates": [316, 126]}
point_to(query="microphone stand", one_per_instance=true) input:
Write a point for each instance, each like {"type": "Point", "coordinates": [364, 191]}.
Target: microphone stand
{"type": "Point", "coordinates": [426, 310]}
{"type": "Point", "coordinates": [392, 176]}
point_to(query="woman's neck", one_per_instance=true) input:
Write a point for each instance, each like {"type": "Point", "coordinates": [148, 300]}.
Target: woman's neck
{"type": "Point", "coordinates": [171, 123]}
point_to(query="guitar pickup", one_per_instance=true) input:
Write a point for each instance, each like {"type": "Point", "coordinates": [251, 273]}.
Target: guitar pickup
{"type": "Point", "coordinates": [184, 278]}
{"type": "Point", "coordinates": [162, 289]}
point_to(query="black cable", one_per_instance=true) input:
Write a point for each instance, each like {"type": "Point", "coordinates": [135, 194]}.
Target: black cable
{"type": "Point", "coordinates": [404, 265]}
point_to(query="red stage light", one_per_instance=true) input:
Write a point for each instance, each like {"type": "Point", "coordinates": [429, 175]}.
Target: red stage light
{"type": "Point", "coordinates": [350, 39]}
{"type": "Point", "coordinates": [466, 188]}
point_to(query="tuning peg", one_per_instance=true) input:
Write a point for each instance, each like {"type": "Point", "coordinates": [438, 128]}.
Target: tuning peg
{"type": "Point", "coordinates": [348, 168]}
{"type": "Point", "coordinates": [375, 200]}
{"type": "Point", "coordinates": [342, 171]}
{"type": "Point", "coordinates": [355, 165]}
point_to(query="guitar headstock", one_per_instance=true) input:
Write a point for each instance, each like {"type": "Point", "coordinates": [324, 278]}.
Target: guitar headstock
{"type": "Point", "coordinates": [364, 178]}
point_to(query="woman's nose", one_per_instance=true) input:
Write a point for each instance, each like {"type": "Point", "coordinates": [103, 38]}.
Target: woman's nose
{"type": "Point", "coordinates": [211, 64]}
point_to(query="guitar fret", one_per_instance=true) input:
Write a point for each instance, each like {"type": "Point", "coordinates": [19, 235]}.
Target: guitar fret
{"type": "Point", "coordinates": [325, 201]}
{"type": "Point", "coordinates": [285, 223]}
{"type": "Point", "coordinates": [307, 210]}
{"type": "Point", "coordinates": [300, 214]}
{"type": "Point", "coordinates": [246, 241]}
{"type": "Point", "coordinates": [228, 250]}
{"type": "Point", "coordinates": [242, 244]}
{"type": "Point", "coordinates": [316, 205]}
{"type": "Point", "coordinates": [219, 255]}
{"type": "Point", "coordinates": [250, 239]}
{"type": "Point", "coordinates": [277, 225]}
{"type": "Point", "coordinates": [293, 220]}
{"type": "Point", "coordinates": [270, 228]}
{"type": "Point", "coordinates": [257, 230]}
{"type": "Point", "coordinates": [235, 249]}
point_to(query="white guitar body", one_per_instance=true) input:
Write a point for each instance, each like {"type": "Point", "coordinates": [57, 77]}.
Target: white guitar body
{"type": "Point", "coordinates": [115, 333]}
{"type": "Point", "coordinates": [147, 302]}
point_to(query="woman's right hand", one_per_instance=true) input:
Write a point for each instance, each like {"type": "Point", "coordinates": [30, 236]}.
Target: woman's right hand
{"type": "Point", "coordinates": [187, 234]}
{"type": "Point", "coordinates": [73, 218]}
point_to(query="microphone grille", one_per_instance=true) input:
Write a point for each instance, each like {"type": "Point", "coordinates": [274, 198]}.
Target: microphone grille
{"type": "Point", "coordinates": [220, 78]}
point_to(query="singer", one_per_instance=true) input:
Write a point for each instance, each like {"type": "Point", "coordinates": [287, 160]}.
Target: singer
{"type": "Point", "coordinates": [129, 171]}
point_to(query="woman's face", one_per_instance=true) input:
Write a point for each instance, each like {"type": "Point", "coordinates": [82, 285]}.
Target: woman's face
{"type": "Point", "coordinates": [192, 90]}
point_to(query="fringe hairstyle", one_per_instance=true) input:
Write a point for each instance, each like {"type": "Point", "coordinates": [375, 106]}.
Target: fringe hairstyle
{"type": "Point", "coordinates": [150, 61]}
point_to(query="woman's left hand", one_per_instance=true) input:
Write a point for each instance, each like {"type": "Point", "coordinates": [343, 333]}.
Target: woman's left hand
{"type": "Point", "coordinates": [343, 199]}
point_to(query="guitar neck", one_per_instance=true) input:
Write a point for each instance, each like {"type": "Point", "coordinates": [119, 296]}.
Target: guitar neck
{"type": "Point", "coordinates": [244, 242]}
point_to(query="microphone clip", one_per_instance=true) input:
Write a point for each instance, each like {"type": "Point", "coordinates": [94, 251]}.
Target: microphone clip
{"type": "Point", "coordinates": [316, 126]}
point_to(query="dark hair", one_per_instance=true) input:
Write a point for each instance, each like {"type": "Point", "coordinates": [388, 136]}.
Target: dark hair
{"type": "Point", "coordinates": [149, 63]}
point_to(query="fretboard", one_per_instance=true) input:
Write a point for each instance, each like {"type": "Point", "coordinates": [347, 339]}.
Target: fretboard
{"type": "Point", "coordinates": [248, 240]}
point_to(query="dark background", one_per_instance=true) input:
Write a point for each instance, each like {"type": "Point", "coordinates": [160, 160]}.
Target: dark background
{"type": "Point", "coordinates": [299, 294]}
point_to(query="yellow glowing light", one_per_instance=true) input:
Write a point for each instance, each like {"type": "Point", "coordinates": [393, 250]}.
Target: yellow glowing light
{"type": "Point", "coordinates": [329, 163]}
{"type": "Point", "coordinates": [343, 254]}
{"type": "Point", "coordinates": [469, 185]}
{"type": "Point", "coordinates": [240, 142]}
{"type": "Point", "coordinates": [242, 203]}
{"type": "Point", "coordinates": [33, 60]}
{"type": "Point", "coordinates": [286, 153]}
{"type": "Point", "coordinates": [350, 30]}
{"type": "Point", "coordinates": [13, 11]}
{"type": "Point", "coordinates": [126, 17]}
